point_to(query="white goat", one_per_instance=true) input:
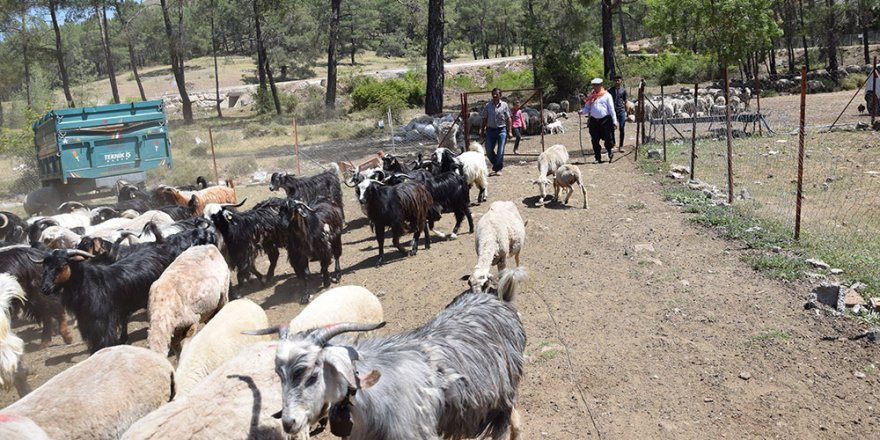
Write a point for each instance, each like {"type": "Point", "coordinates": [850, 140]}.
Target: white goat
{"type": "Point", "coordinates": [217, 342]}
{"type": "Point", "coordinates": [566, 176]}
{"type": "Point", "coordinates": [11, 346]}
{"type": "Point", "coordinates": [555, 127]}
{"type": "Point", "coordinates": [190, 291]}
{"type": "Point", "coordinates": [100, 396]}
{"type": "Point", "coordinates": [500, 234]}
{"type": "Point", "coordinates": [548, 162]}
{"type": "Point", "coordinates": [472, 163]}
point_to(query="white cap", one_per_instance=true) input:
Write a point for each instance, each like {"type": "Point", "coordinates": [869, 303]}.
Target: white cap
{"type": "Point", "coordinates": [596, 81]}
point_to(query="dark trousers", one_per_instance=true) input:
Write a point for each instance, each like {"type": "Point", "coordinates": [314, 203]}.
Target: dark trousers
{"type": "Point", "coordinates": [621, 122]}
{"type": "Point", "coordinates": [602, 129]}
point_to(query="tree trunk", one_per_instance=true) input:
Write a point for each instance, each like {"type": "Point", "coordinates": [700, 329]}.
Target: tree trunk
{"type": "Point", "coordinates": [832, 42]}
{"type": "Point", "coordinates": [864, 26]}
{"type": "Point", "coordinates": [772, 58]}
{"type": "Point", "coordinates": [351, 34]}
{"type": "Point", "coordinates": [607, 40]}
{"type": "Point", "coordinates": [434, 92]}
{"type": "Point", "coordinates": [101, 16]}
{"type": "Point", "coordinates": [330, 97]}
{"type": "Point", "coordinates": [275, 99]}
{"type": "Point", "coordinates": [214, 52]}
{"type": "Point", "coordinates": [59, 55]}
{"type": "Point", "coordinates": [132, 56]}
{"type": "Point", "coordinates": [1, 111]}
{"type": "Point", "coordinates": [177, 64]}
{"type": "Point", "coordinates": [26, 57]}
{"type": "Point", "coordinates": [622, 30]}
{"type": "Point", "coordinates": [536, 83]}
{"type": "Point", "coordinates": [804, 37]}
{"type": "Point", "coordinates": [261, 63]}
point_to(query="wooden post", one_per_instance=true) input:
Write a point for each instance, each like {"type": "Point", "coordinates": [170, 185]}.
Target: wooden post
{"type": "Point", "coordinates": [663, 111]}
{"type": "Point", "coordinates": [729, 136]}
{"type": "Point", "coordinates": [642, 105]}
{"type": "Point", "coordinates": [875, 78]}
{"type": "Point", "coordinates": [466, 119]}
{"type": "Point", "coordinates": [541, 103]}
{"type": "Point", "coordinates": [581, 134]}
{"type": "Point", "coordinates": [800, 176]}
{"type": "Point", "coordinates": [213, 155]}
{"type": "Point", "coordinates": [640, 118]}
{"type": "Point", "coordinates": [296, 145]}
{"type": "Point", "coordinates": [694, 129]}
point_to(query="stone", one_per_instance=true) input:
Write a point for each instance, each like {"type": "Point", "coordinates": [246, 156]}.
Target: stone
{"type": "Point", "coordinates": [853, 298]}
{"type": "Point", "coordinates": [836, 271]}
{"type": "Point", "coordinates": [655, 154]}
{"type": "Point", "coordinates": [875, 304]}
{"type": "Point", "coordinates": [745, 375]}
{"type": "Point", "coordinates": [644, 247]}
{"type": "Point", "coordinates": [831, 295]}
{"type": "Point", "coordinates": [817, 263]}
{"type": "Point", "coordinates": [858, 286]}
{"type": "Point", "coordinates": [744, 194]}
{"type": "Point", "coordinates": [859, 375]}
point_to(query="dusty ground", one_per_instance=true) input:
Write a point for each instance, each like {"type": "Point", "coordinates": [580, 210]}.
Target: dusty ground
{"type": "Point", "coordinates": [624, 342]}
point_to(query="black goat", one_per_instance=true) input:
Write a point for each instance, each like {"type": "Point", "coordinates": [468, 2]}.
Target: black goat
{"type": "Point", "coordinates": [392, 164]}
{"type": "Point", "coordinates": [12, 228]}
{"type": "Point", "coordinates": [450, 193]}
{"type": "Point", "coordinates": [103, 296]}
{"type": "Point", "coordinates": [201, 183]}
{"type": "Point", "coordinates": [307, 189]}
{"type": "Point", "coordinates": [18, 262]}
{"type": "Point", "coordinates": [315, 234]}
{"type": "Point", "coordinates": [246, 234]}
{"type": "Point", "coordinates": [401, 207]}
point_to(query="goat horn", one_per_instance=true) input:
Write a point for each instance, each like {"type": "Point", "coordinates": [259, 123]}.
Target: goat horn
{"type": "Point", "coordinates": [5, 221]}
{"type": "Point", "coordinates": [304, 205]}
{"type": "Point", "coordinates": [279, 329]}
{"type": "Point", "coordinates": [40, 261]}
{"type": "Point", "coordinates": [80, 253]}
{"type": "Point", "coordinates": [230, 205]}
{"type": "Point", "coordinates": [324, 334]}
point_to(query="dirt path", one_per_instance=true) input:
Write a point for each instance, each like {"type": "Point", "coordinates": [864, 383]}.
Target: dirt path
{"type": "Point", "coordinates": [623, 342]}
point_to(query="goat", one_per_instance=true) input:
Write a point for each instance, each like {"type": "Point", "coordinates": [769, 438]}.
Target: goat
{"type": "Point", "coordinates": [501, 233]}
{"type": "Point", "coordinates": [17, 261]}
{"type": "Point", "coordinates": [554, 127]}
{"type": "Point", "coordinates": [548, 162]}
{"type": "Point", "coordinates": [472, 164]}
{"type": "Point", "coordinates": [246, 234]}
{"type": "Point", "coordinates": [12, 370]}
{"type": "Point", "coordinates": [314, 233]}
{"type": "Point", "coordinates": [454, 377]}
{"type": "Point", "coordinates": [400, 207]}
{"type": "Point", "coordinates": [307, 188]}
{"type": "Point", "coordinates": [43, 201]}
{"type": "Point", "coordinates": [449, 191]}
{"type": "Point", "coordinates": [213, 194]}
{"type": "Point", "coordinates": [12, 228]}
{"type": "Point", "coordinates": [566, 177]}
{"type": "Point", "coordinates": [190, 291]}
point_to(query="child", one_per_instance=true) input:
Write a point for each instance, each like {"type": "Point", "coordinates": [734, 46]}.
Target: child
{"type": "Point", "coordinates": [518, 123]}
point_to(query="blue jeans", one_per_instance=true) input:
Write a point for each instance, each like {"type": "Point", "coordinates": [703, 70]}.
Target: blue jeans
{"type": "Point", "coordinates": [621, 121]}
{"type": "Point", "coordinates": [496, 136]}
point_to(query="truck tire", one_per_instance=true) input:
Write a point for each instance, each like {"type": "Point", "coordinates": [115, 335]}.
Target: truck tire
{"type": "Point", "coordinates": [43, 201]}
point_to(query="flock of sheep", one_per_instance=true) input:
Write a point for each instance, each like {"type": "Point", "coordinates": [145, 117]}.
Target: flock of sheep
{"type": "Point", "coordinates": [171, 251]}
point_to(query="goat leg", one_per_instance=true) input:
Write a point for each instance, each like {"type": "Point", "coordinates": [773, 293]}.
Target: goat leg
{"type": "Point", "coordinates": [272, 253]}
{"type": "Point", "coordinates": [515, 427]}
{"type": "Point", "coordinates": [63, 329]}
{"type": "Point", "coordinates": [380, 237]}
{"type": "Point", "coordinates": [427, 237]}
{"type": "Point", "coordinates": [395, 240]}
{"type": "Point", "coordinates": [123, 329]}
{"type": "Point", "coordinates": [304, 299]}
{"type": "Point", "coordinates": [20, 380]}
{"type": "Point", "coordinates": [47, 332]}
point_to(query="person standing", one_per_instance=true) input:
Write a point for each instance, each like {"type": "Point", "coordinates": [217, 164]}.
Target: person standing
{"type": "Point", "coordinates": [518, 123]}
{"type": "Point", "coordinates": [495, 130]}
{"type": "Point", "coordinates": [602, 119]}
{"type": "Point", "coordinates": [618, 95]}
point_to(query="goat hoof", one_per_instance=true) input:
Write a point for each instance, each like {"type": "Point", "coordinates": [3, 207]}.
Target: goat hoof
{"type": "Point", "coordinates": [452, 236]}
{"type": "Point", "coordinates": [412, 253]}
{"type": "Point", "coordinates": [45, 344]}
{"type": "Point", "coordinates": [304, 299]}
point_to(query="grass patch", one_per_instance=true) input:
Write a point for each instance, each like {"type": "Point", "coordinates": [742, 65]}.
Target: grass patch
{"type": "Point", "coordinates": [771, 335]}
{"type": "Point", "coordinates": [547, 350]}
{"type": "Point", "coordinates": [777, 266]}
{"type": "Point", "coordinates": [638, 206]}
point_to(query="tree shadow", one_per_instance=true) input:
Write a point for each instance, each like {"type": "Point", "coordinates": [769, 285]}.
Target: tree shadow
{"type": "Point", "coordinates": [256, 431]}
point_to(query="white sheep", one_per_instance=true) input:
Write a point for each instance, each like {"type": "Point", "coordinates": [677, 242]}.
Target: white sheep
{"type": "Point", "coordinates": [190, 291]}
{"type": "Point", "coordinates": [500, 234]}
{"type": "Point", "coordinates": [100, 397]}
{"type": "Point", "coordinates": [473, 165]}
{"type": "Point", "coordinates": [18, 427]}
{"type": "Point", "coordinates": [12, 372]}
{"type": "Point", "coordinates": [224, 404]}
{"type": "Point", "coordinates": [554, 127]}
{"type": "Point", "coordinates": [566, 176]}
{"type": "Point", "coordinates": [548, 162]}
{"type": "Point", "coordinates": [217, 342]}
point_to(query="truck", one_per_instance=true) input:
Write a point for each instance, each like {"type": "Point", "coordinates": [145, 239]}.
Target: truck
{"type": "Point", "coordinates": [83, 152]}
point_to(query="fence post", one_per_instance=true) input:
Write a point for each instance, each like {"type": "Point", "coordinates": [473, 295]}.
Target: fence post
{"type": "Point", "coordinates": [391, 127]}
{"type": "Point", "coordinates": [729, 136]}
{"type": "Point", "coordinates": [213, 155]}
{"type": "Point", "coordinates": [800, 177]}
{"type": "Point", "coordinates": [642, 105]}
{"type": "Point", "coordinates": [694, 129]}
{"type": "Point", "coordinates": [874, 75]}
{"type": "Point", "coordinates": [758, 97]}
{"type": "Point", "coordinates": [296, 145]}
{"type": "Point", "coordinates": [640, 118]}
{"type": "Point", "coordinates": [663, 110]}
{"type": "Point", "coordinates": [541, 103]}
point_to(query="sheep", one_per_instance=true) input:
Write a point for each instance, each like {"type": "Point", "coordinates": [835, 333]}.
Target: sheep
{"type": "Point", "coordinates": [400, 207]}
{"type": "Point", "coordinates": [454, 377]}
{"type": "Point", "coordinates": [100, 397]}
{"type": "Point", "coordinates": [18, 427]}
{"type": "Point", "coordinates": [17, 261]}
{"type": "Point", "coordinates": [190, 291]}
{"type": "Point", "coordinates": [471, 163]}
{"type": "Point", "coordinates": [554, 127]}
{"type": "Point", "coordinates": [340, 304]}
{"type": "Point", "coordinates": [548, 162]}
{"type": "Point", "coordinates": [217, 342]}
{"type": "Point", "coordinates": [12, 228]}
{"type": "Point", "coordinates": [566, 176]}
{"type": "Point", "coordinates": [500, 234]}
{"type": "Point", "coordinates": [447, 133]}
{"type": "Point", "coordinates": [314, 234]}
{"type": "Point", "coordinates": [324, 184]}
{"type": "Point", "coordinates": [246, 234]}
{"type": "Point", "coordinates": [12, 371]}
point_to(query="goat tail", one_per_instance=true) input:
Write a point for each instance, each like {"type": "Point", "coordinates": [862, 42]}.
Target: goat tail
{"type": "Point", "coordinates": [476, 146]}
{"type": "Point", "coordinates": [510, 281]}
{"type": "Point", "coordinates": [335, 168]}
{"type": "Point", "coordinates": [11, 346]}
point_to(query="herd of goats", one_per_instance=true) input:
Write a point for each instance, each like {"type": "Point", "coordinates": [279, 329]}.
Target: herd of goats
{"type": "Point", "coordinates": [171, 251]}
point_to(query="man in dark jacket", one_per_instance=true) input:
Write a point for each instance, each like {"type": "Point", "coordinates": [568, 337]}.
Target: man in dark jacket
{"type": "Point", "coordinates": [618, 95]}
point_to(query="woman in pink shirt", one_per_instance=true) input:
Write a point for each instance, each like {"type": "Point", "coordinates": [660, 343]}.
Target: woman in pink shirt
{"type": "Point", "coordinates": [518, 123]}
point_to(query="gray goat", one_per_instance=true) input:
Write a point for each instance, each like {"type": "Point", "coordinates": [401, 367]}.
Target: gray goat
{"type": "Point", "coordinates": [454, 377]}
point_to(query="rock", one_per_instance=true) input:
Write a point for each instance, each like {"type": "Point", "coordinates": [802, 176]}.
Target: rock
{"type": "Point", "coordinates": [859, 375]}
{"type": "Point", "coordinates": [644, 247]}
{"type": "Point", "coordinates": [831, 295]}
{"type": "Point", "coordinates": [858, 286]}
{"type": "Point", "coordinates": [744, 194]}
{"type": "Point", "coordinates": [655, 154]}
{"type": "Point", "coordinates": [745, 375]}
{"type": "Point", "coordinates": [836, 271]}
{"type": "Point", "coordinates": [817, 263]}
{"type": "Point", "coordinates": [853, 298]}
{"type": "Point", "coordinates": [259, 177]}
{"type": "Point", "coordinates": [776, 249]}
{"type": "Point", "coordinates": [875, 304]}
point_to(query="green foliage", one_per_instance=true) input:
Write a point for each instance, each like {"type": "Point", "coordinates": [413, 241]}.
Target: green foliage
{"type": "Point", "coordinates": [263, 101]}
{"type": "Point", "coordinates": [391, 46]}
{"type": "Point", "coordinates": [240, 167]}
{"type": "Point", "coordinates": [181, 172]}
{"type": "Point", "coordinates": [666, 68]}
{"type": "Point", "coordinates": [851, 82]}
{"type": "Point", "coordinates": [394, 93]}
{"type": "Point", "coordinates": [511, 79]}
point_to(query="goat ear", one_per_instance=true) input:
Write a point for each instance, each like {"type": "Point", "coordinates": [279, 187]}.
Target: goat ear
{"type": "Point", "coordinates": [340, 359]}
{"type": "Point", "coordinates": [369, 379]}
{"type": "Point", "coordinates": [465, 277]}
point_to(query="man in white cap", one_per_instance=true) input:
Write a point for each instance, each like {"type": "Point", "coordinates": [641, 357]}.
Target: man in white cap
{"type": "Point", "coordinates": [602, 122]}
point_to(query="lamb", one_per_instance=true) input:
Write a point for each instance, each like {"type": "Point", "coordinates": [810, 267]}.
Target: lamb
{"type": "Point", "coordinates": [190, 291]}
{"type": "Point", "coordinates": [454, 377]}
{"type": "Point", "coordinates": [12, 371]}
{"type": "Point", "coordinates": [217, 342]}
{"type": "Point", "coordinates": [566, 176]}
{"type": "Point", "coordinates": [500, 234]}
{"type": "Point", "coordinates": [554, 127]}
{"type": "Point", "coordinates": [472, 164]}
{"type": "Point", "coordinates": [548, 162]}
{"type": "Point", "coordinates": [100, 397]}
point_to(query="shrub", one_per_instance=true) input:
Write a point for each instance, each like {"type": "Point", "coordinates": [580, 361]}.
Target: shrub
{"type": "Point", "coordinates": [311, 106]}
{"type": "Point", "coordinates": [392, 45]}
{"type": "Point", "coordinates": [182, 172]}
{"type": "Point", "coordinates": [241, 167]}
{"type": "Point", "coordinates": [851, 82]}
{"type": "Point", "coordinates": [289, 102]}
{"type": "Point", "coordinates": [263, 101]}
{"type": "Point", "coordinates": [396, 93]}
{"type": "Point", "coordinates": [199, 151]}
